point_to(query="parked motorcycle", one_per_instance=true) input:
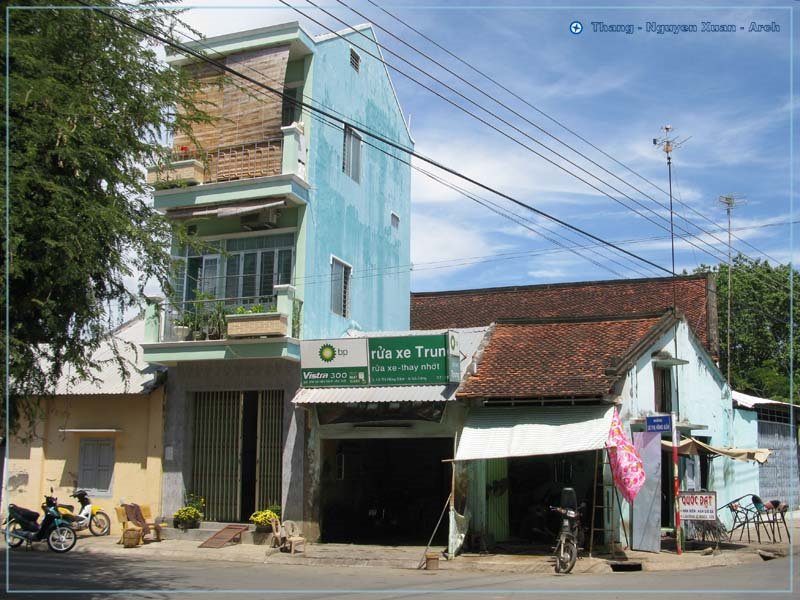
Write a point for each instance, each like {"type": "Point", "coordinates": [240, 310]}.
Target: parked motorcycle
{"type": "Point", "coordinates": [22, 526]}
{"type": "Point", "coordinates": [89, 517]}
{"type": "Point", "coordinates": [566, 551]}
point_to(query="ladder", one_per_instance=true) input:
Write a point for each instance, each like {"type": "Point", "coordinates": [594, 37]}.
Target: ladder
{"type": "Point", "coordinates": [608, 492]}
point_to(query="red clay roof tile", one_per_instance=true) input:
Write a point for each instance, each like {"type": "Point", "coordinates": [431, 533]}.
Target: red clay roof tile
{"type": "Point", "coordinates": [555, 359]}
{"type": "Point", "coordinates": [696, 298]}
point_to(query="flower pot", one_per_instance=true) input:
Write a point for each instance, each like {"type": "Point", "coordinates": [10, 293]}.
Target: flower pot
{"type": "Point", "coordinates": [192, 524]}
{"type": "Point", "coordinates": [181, 331]}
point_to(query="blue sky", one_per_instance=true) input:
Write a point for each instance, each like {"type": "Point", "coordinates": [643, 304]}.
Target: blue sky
{"type": "Point", "coordinates": [729, 93]}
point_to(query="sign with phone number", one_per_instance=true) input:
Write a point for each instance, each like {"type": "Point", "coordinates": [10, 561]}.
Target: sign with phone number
{"type": "Point", "coordinates": [698, 506]}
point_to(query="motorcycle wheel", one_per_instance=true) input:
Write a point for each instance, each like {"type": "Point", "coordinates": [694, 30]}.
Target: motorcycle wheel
{"type": "Point", "coordinates": [99, 523]}
{"type": "Point", "coordinates": [61, 539]}
{"type": "Point", "coordinates": [566, 557]}
{"type": "Point", "coordinates": [12, 541]}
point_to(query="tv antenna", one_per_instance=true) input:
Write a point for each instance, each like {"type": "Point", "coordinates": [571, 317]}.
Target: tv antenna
{"type": "Point", "coordinates": [730, 201]}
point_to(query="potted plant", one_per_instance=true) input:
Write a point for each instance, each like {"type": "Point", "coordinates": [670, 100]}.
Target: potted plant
{"type": "Point", "coordinates": [256, 321]}
{"type": "Point", "coordinates": [217, 320]}
{"type": "Point", "coordinates": [201, 314]}
{"type": "Point", "coordinates": [182, 326]}
{"type": "Point", "coordinates": [187, 517]}
{"type": "Point", "coordinates": [190, 515]}
{"type": "Point", "coordinates": [263, 520]}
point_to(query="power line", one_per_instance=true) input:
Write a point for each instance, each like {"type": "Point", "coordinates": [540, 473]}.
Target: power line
{"type": "Point", "coordinates": [190, 52]}
{"type": "Point", "coordinates": [495, 128]}
{"type": "Point", "coordinates": [482, 201]}
{"type": "Point", "coordinates": [551, 118]}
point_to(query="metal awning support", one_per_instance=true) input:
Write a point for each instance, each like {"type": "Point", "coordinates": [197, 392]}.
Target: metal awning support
{"type": "Point", "coordinates": [692, 447]}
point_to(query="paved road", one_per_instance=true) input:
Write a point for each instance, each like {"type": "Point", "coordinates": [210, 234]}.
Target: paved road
{"type": "Point", "coordinates": [98, 575]}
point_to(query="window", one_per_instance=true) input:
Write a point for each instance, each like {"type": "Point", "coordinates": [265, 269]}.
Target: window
{"type": "Point", "coordinates": [246, 273]}
{"type": "Point", "coordinates": [355, 60]}
{"type": "Point", "coordinates": [340, 287]}
{"type": "Point", "coordinates": [290, 111]}
{"type": "Point", "coordinates": [663, 389]}
{"type": "Point", "coordinates": [351, 163]}
{"type": "Point", "coordinates": [395, 219]}
{"type": "Point", "coordinates": [96, 464]}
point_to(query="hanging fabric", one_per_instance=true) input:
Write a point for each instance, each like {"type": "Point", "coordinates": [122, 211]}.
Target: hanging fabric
{"type": "Point", "coordinates": [626, 464]}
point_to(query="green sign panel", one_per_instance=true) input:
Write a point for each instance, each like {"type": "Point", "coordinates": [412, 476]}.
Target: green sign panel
{"type": "Point", "coordinates": [334, 377]}
{"type": "Point", "coordinates": [410, 360]}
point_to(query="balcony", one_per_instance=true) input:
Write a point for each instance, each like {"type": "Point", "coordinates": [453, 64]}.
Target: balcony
{"type": "Point", "coordinates": [270, 167]}
{"type": "Point", "coordinates": [227, 163]}
{"type": "Point", "coordinates": [219, 328]}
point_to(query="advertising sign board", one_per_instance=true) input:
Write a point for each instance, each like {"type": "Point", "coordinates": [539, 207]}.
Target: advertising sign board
{"type": "Point", "coordinates": [334, 363]}
{"type": "Point", "coordinates": [408, 360]}
{"type": "Point", "coordinates": [659, 423]}
{"type": "Point", "coordinates": [698, 506]}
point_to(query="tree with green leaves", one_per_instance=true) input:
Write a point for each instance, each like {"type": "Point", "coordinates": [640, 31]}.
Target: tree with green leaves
{"type": "Point", "coordinates": [760, 326]}
{"type": "Point", "coordinates": [89, 104]}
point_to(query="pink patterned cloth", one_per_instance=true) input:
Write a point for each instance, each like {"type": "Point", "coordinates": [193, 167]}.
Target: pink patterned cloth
{"type": "Point", "coordinates": [626, 464]}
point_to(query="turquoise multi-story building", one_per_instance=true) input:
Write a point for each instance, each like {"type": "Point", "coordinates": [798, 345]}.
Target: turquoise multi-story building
{"type": "Point", "coordinates": [301, 229]}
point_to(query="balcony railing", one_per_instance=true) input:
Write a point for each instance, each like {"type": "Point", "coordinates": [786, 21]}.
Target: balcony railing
{"type": "Point", "coordinates": [225, 163]}
{"type": "Point", "coordinates": [222, 318]}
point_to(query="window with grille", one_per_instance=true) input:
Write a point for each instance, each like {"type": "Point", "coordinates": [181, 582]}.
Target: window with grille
{"type": "Point", "coordinates": [355, 60]}
{"type": "Point", "coordinates": [351, 163]}
{"type": "Point", "coordinates": [96, 464]}
{"type": "Point", "coordinates": [340, 287]}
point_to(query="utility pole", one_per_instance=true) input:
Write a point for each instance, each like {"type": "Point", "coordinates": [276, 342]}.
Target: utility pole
{"type": "Point", "coordinates": [668, 144]}
{"type": "Point", "coordinates": [729, 201]}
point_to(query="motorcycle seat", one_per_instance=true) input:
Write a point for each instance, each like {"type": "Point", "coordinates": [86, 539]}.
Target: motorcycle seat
{"type": "Point", "coordinates": [69, 507]}
{"type": "Point", "coordinates": [24, 513]}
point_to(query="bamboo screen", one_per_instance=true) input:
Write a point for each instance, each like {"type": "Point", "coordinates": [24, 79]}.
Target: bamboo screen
{"type": "Point", "coordinates": [246, 112]}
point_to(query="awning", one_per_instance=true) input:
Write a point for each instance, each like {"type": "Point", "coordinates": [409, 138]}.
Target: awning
{"type": "Point", "coordinates": [533, 431]}
{"type": "Point", "coordinates": [235, 210]}
{"type": "Point", "coordinates": [400, 393]}
{"type": "Point", "coordinates": [693, 447]}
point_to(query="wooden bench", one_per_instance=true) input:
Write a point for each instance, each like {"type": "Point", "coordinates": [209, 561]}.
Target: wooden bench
{"type": "Point", "coordinates": [129, 525]}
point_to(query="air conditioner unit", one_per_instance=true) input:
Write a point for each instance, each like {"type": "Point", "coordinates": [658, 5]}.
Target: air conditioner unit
{"type": "Point", "coordinates": [263, 219]}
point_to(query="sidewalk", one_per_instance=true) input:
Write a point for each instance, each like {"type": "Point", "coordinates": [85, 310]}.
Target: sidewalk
{"type": "Point", "coordinates": [408, 557]}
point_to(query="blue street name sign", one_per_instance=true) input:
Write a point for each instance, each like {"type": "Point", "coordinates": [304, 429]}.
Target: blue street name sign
{"type": "Point", "coordinates": [662, 423]}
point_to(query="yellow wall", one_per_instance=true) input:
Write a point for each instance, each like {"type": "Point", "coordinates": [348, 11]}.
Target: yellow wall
{"type": "Point", "coordinates": [50, 459]}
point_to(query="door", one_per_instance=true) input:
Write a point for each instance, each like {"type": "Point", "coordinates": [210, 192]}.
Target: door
{"type": "Point", "coordinates": [646, 518]}
{"type": "Point", "coordinates": [238, 448]}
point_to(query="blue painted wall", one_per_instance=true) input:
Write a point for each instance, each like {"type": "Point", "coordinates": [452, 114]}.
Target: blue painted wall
{"type": "Point", "coordinates": [351, 220]}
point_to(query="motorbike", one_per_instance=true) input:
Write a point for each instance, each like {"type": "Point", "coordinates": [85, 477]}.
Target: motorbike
{"type": "Point", "coordinates": [566, 550]}
{"type": "Point", "coordinates": [89, 517]}
{"type": "Point", "coordinates": [22, 525]}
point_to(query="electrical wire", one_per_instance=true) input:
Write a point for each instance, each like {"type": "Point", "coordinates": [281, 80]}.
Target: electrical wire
{"type": "Point", "coordinates": [551, 118]}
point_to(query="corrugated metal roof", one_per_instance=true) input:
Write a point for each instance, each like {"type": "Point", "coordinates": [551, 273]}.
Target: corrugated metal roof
{"type": "Point", "coordinates": [495, 432]}
{"type": "Point", "coordinates": [400, 393]}
{"type": "Point", "coordinates": [141, 375]}
{"type": "Point", "coordinates": [748, 401]}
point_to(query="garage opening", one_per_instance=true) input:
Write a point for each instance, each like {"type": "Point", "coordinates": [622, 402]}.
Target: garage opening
{"type": "Point", "coordinates": [535, 484]}
{"type": "Point", "coordinates": [385, 491]}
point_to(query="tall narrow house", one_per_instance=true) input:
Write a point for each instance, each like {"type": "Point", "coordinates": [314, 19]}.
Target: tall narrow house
{"type": "Point", "coordinates": [301, 226]}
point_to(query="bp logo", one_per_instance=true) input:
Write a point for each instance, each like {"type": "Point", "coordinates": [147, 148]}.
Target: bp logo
{"type": "Point", "coordinates": [327, 353]}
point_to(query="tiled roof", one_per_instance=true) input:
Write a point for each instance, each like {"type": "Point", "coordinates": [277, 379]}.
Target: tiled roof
{"type": "Point", "coordinates": [696, 298]}
{"type": "Point", "coordinates": [559, 359]}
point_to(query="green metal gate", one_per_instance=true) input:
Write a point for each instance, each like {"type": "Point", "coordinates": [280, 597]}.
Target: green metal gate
{"type": "Point", "coordinates": [217, 464]}
{"type": "Point", "coordinates": [270, 446]}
